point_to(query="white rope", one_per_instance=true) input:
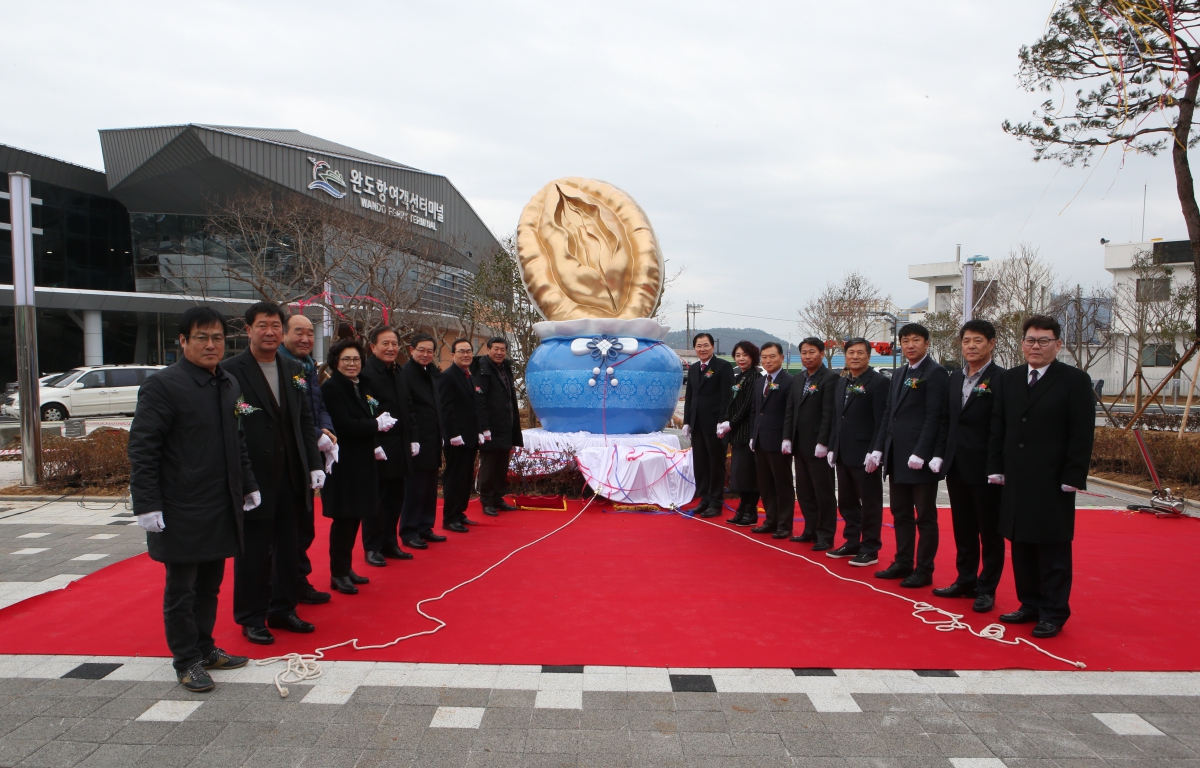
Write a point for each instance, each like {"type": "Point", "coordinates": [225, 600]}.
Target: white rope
{"type": "Point", "coordinates": [951, 622]}
{"type": "Point", "coordinates": [302, 667]}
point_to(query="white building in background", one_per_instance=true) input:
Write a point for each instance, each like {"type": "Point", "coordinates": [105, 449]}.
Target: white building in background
{"type": "Point", "coordinates": [943, 279]}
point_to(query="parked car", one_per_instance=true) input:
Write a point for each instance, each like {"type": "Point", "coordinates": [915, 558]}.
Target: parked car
{"type": "Point", "coordinates": [11, 386]}
{"type": "Point", "coordinates": [102, 390]}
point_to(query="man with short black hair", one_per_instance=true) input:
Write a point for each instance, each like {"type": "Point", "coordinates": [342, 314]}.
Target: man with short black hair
{"type": "Point", "coordinates": [457, 390]}
{"type": "Point", "coordinates": [498, 419]}
{"type": "Point", "coordinates": [1043, 426]}
{"type": "Point", "coordinates": [190, 482]}
{"type": "Point", "coordinates": [705, 399]}
{"type": "Point", "coordinates": [963, 441]}
{"type": "Point", "coordinates": [806, 426]}
{"type": "Point", "coordinates": [420, 490]}
{"type": "Point", "coordinates": [766, 440]}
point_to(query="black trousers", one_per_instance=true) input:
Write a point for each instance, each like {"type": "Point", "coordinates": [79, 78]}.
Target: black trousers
{"type": "Point", "coordinates": [264, 574]}
{"type": "Point", "coordinates": [306, 533]}
{"type": "Point", "coordinates": [914, 508]}
{"type": "Point", "coordinates": [814, 491]}
{"type": "Point", "coordinates": [190, 609]}
{"type": "Point", "coordinates": [379, 532]}
{"type": "Point", "coordinates": [775, 485]}
{"type": "Point", "coordinates": [1042, 573]}
{"type": "Point", "coordinates": [419, 512]}
{"type": "Point", "coordinates": [975, 511]}
{"type": "Point", "coordinates": [342, 533]}
{"type": "Point", "coordinates": [493, 476]}
{"type": "Point", "coordinates": [708, 464]}
{"type": "Point", "coordinates": [860, 498]}
{"type": "Point", "coordinates": [457, 479]}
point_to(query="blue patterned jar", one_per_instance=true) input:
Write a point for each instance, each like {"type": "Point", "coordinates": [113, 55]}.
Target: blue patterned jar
{"type": "Point", "coordinates": [571, 390]}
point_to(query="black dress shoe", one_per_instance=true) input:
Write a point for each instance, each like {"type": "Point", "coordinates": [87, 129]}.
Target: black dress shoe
{"type": "Point", "coordinates": [764, 528]}
{"type": "Point", "coordinates": [846, 550]}
{"type": "Point", "coordinates": [701, 507]}
{"type": "Point", "coordinates": [258, 635]}
{"type": "Point", "coordinates": [356, 579]}
{"type": "Point", "coordinates": [734, 520]}
{"type": "Point", "coordinates": [894, 571]}
{"type": "Point", "coordinates": [1019, 616]}
{"type": "Point", "coordinates": [984, 603]}
{"type": "Point", "coordinates": [456, 527]}
{"type": "Point", "coordinates": [821, 546]}
{"type": "Point", "coordinates": [375, 559]}
{"type": "Point", "coordinates": [343, 584]}
{"type": "Point", "coordinates": [395, 553]}
{"type": "Point", "coordinates": [1046, 629]}
{"type": "Point", "coordinates": [805, 537]}
{"type": "Point", "coordinates": [491, 512]}
{"type": "Point", "coordinates": [291, 622]}
{"type": "Point", "coordinates": [710, 512]}
{"type": "Point", "coordinates": [916, 580]}
{"type": "Point", "coordinates": [781, 535]}
{"type": "Point", "coordinates": [956, 590]}
{"type": "Point", "coordinates": [311, 596]}
{"type": "Point", "coordinates": [415, 543]}
{"type": "Point", "coordinates": [468, 521]}
{"type": "Point", "coordinates": [219, 659]}
{"type": "Point", "coordinates": [504, 506]}
{"type": "Point", "coordinates": [747, 521]}
{"type": "Point", "coordinates": [432, 537]}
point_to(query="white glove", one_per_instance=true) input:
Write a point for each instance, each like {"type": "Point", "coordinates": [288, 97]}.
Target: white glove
{"type": "Point", "coordinates": [821, 451]}
{"type": "Point", "coordinates": [481, 438]}
{"type": "Point", "coordinates": [1070, 489]}
{"type": "Point", "coordinates": [456, 440]}
{"type": "Point", "coordinates": [915, 462]}
{"type": "Point", "coordinates": [251, 500]}
{"type": "Point", "coordinates": [151, 522]}
{"type": "Point", "coordinates": [723, 429]}
{"type": "Point", "coordinates": [935, 464]}
{"type": "Point", "coordinates": [331, 457]}
{"type": "Point", "coordinates": [380, 455]}
{"type": "Point", "coordinates": [324, 443]}
{"type": "Point", "coordinates": [687, 431]}
{"type": "Point", "coordinates": [487, 435]}
{"type": "Point", "coordinates": [786, 447]}
{"type": "Point", "coordinates": [385, 421]}
{"type": "Point", "coordinates": [752, 444]}
{"type": "Point", "coordinates": [996, 479]}
{"type": "Point", "coordinates": [318, 479]}
{"type": "Point", "coordinates": [871, 463]}
{"type": "Point", "coordinates": [830, 457]}
{"type": "Point", "coordinates": [416, 448]}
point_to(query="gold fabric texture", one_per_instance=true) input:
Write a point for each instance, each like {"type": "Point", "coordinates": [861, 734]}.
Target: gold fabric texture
{"type": "Point", "coordinates": [586, 249]}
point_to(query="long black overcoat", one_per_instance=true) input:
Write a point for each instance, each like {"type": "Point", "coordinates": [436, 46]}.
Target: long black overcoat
{"type": "Point", "coordinates": [188, 460]}
{"type": "Point", "coordinates": [496, 406]}
{"type": "Point", "coordinates": [351, 488]}
{"type": "Point", "coordinates": [456, 396]}
{"type": "Point", "coordinates": [739, 413]}
{"type": "Point", "coordinates": [390, 389]}
{"type": "Point", "coordinates": [1041, 440]}
{"type": "Point", "coordinates": [422, 388]}
{"type": "Point", "coordinates": [808, 416]}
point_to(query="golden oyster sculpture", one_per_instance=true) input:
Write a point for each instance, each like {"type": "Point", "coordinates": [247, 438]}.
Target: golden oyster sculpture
{"type": "Point", "coordinates": [587, 250]}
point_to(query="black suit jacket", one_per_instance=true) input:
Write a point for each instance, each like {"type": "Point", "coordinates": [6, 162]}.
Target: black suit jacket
{"type": "Point", "coordinates": [706, 398]}
{"type": "Point", "coordinates": [457, 395]}
{"type": "Point", "coordinates": [809, 414]}
{"type": "Point", "coordinates": [858, 417]}
{"type": "Point", "coordinates": [262, 427]}
{"type": "Point", "coordinates": [963, 439]}
{"type": "Point", "coordinates": [426, 419]}
{"type": "Point", "coordinates": [391, 390]}
{"type": "Point", "coordinates": [913, 420]}
{"type": "Point", "coordinates": [1041, 440]}
{"type": "Point", "coordinates": [352, 488]}
{"type": "Point", "coordinates": [769, 407]}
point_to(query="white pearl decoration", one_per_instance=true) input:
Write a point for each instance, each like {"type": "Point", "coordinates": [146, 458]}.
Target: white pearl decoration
{"type": "Point", "coordinates": [591, 382]}
{"type": "Point", "coordinates": [613, 382]}
{"type": "Point", "coordinates": [609, 371]}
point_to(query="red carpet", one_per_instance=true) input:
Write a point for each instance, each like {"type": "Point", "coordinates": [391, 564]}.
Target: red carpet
{"type": "Point", "coordinates": [657, 590]}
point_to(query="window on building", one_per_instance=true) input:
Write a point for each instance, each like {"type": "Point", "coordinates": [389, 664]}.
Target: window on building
{"type": "Point", "coordinates": [1158, 356]}
{"type": "Point", "coordinates": [1154, 289]}
{"type": "Point", "coordinates": [941, 297]}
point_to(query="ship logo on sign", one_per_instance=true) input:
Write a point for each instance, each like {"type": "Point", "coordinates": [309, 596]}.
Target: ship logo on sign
{"type": "Point", "coordinates": [325, 177]}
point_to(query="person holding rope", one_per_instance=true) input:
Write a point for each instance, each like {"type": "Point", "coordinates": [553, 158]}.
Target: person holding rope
{"type": "Point", "coordinates": [706, 398]}
{"type": "Point", "coordinates": [766, 440]}
{"type": "Point", "coordinates": [739, 420]}
{"type": "Point", "coordinates": [498, 419]}
{"type": "Point", "coordinates": [420, 491]}
{"type": "Point", "coordinates": [456, 389]}
{"type": "Point", "coordinates": [806, 426]}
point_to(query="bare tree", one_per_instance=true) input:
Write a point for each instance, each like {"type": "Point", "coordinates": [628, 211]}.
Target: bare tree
{"type": "Point", "coordinates": [1007, 292]}
{"type": "Point", "coordinates": [843, 310]}
{"type": "Point", "coordinates": [1086, 317]}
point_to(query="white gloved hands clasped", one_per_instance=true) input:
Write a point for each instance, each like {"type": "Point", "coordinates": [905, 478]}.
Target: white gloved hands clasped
{"type": "Point", "coordinates": [251, 500]}
{"type": "Point", "coordinates": [687, 430]}
{"type": "Point", "coordinates": [915, 462]}
{"type": "Point", "coordinates": [380, 455]}
{"type": "Point", "coordinates": [151, 522]}
{"type": "Point", "coordinates": [456, 440]}
{"type": "Point", "coordinates": [318, 479]}
{"type": "Point", "coordinates": [324, 443]}
{"type": "Point", "coordinates": [871, 462]}
{"type": "Point", "coordinates": [331, 457]}
{"type": "Point", "coordinates": [723, 429]}
{"type": "Point", "coordinates": [821, 451]}
{"type": "Point", "coordinates": [786, 447]}
{"type": "Point", "coordinates": [416, 448]}
{"type": "Point", "coordinates": [830, 458]}
{"type": "Point", "coordinates": [935, 464]}
{"type": "Point", "coordinates": [386, 421]}
{"type": "Point", "coordinates": [481, 438]}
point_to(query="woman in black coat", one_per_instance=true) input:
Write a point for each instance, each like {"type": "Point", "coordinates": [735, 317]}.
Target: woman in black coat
{"type": "Point", "coordinates": [349, 494]}
{"type": "Point", "coordinates": [739, 418]}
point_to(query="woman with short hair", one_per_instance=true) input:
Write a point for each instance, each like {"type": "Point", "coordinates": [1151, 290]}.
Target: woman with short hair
{"type": "Point", "coordinates": [739, 420]}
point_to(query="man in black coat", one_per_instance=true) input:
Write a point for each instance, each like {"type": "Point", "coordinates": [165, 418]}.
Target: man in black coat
{"type": "Point", "coordinates": [859, 403]}
{"type": "Point", "coordinates": [1043, 426]}
{"type": "Point", "coordinates": [386, 381]}
{"type": "Point", "coordinates": [191, 481]}
{"type": "Point", "coordinates": [419, 512]}
{"type": "Point", "coordinates": [282, 443]}
{"type": "Point", "coordinates": [499, 422]}
{"type": "Point", "coordinates": [766, 440]}
{"type": "Point", "coordinates": [905, 446]}
{"type": "Point", "coordinates": [963, 441]}
{"type": "Point", "coordinates": [806, 426]}
{"type": "Point", "coordinates": [705, 400]}
{"type": "Point", "coordinates": [456, 390]}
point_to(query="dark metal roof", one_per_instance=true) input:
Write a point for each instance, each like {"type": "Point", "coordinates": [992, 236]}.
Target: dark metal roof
{"type": "Point", "coordinates": [290, 137]}
{"type": "Point", "coordinates": [51, 171]}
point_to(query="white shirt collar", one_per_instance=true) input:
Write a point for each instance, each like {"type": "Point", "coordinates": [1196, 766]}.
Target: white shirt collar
{"type": "Point", "coordinates": [919, 362]}
{"type": "Point", "coordinates": [1040, 371]}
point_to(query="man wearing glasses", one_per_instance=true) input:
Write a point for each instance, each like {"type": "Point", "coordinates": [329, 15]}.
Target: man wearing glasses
{"type": "Point", "coordinates": [1043, 424]}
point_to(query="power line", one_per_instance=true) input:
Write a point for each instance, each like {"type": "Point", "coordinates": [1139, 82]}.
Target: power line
{"type": "Point", "coordinates": [756, 317]}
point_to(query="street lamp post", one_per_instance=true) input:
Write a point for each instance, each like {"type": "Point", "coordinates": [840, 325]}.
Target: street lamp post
{"type": "Point", "coordinates": [969, 286]}
{"type": "Point", "coordinates": [895, 326]}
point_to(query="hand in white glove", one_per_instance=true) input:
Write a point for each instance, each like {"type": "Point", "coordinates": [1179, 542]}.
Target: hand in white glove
{"type": "Point", "coordinates": [385, 421]}
{"type": "Point", "coordinates": [871, 463]}
{"type": "Point", "coordinates": [723, 429]}
{"type": "Point", "coordinates": [380, 455]}
{"type": "Point", "coordinates": [1070, 489]}
{"type": "Point", "coordinates": [318, 479]}
{"type": "Point", "coordinates": [915, 462]}
{"type": "Point", "coordinates": [151, 522]}
{"type": "Point", "coordinates": [331, 457]}
{"type": "Point", "coordinates": [830, 458]}
{"type": "Point", "coordinates": [324, 443]}
{"type": "Point", "coordinates": [416, 448]}
{"type": "Point", "coordinates": [481, 438]}
{"type": "Point", "coordinates": [456, 440]}
{"type": "Point", "coordinates": [996, 479]}
{"type": "Point", "coordinates": [487, 435]}
{"type": "Point", "coordinates": [687, 430]}
{"type": "Point", "coordinates": [821, 451]}
{"type": "Point", "coordinates": [786, 447]}
{"type": "Point", "coordinates": [935, 464]}
{"type": "Point", "coordinates": [251, 500]}
{"type": "Point", "coordinates": [752, 444]}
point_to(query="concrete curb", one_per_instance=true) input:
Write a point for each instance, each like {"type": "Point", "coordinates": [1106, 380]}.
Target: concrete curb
{"type": "Point", "coordinates": [88, 499]}
{"type": "Point", "coordinates": [1114, 485]}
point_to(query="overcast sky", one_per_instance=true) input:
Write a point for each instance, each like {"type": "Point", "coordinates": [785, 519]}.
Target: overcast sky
{"type": "Point", "coordinates": [773, 145]}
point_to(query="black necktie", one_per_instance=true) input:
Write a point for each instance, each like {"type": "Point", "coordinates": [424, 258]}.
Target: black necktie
{"type": "Point", "coordinates": [1033, 378]}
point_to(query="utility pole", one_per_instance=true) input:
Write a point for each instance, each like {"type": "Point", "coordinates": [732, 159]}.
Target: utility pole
{"type": "Point", "coordinates": [25, 313]}
{"type": "Point", "coordinates": [693, 329]}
